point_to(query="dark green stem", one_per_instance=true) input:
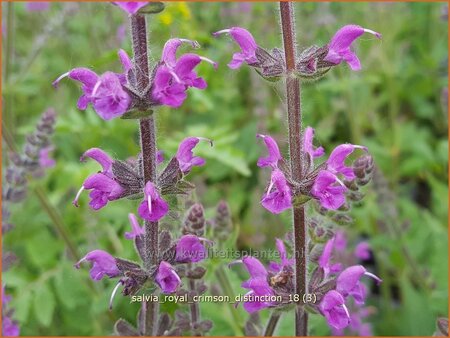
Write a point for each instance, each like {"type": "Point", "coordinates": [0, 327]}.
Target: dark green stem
{"type": "Point", "coordinates": [272, 323]}
{"type": "Point", "coordinates": [296, 157]}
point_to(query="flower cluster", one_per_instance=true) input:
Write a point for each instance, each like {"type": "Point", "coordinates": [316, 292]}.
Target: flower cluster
{"type": "Point", "coordinates": [342, 285]}
{"type": "Point", "coordinates": [324, 183]}
{"type": "Point", "coordinates": [9, 326]}
{"type": "Point", "coordinates": [312, 63]}
{"type": "Point", "coordinates": [113, 94]}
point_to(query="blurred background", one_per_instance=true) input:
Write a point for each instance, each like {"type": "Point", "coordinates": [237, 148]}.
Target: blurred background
{"type": "Point", "coordinates": [396, 106]}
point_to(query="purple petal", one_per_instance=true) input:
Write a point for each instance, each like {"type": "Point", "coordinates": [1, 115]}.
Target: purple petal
{"type": "Point", "coordinates": [45, 161]}
{"type": "Point", "coordinates": [136, 229]}
{"type": "Point", "coordinates": [102, 264]}
{"type": "Point", "coordinates": [247, 44]}
{"type": "Point", "coordinates": [308, 144]}
{"type": "Point", "coordinates": [110, 100]}
{"type": "Point", "coordinates": [169, 53]}
{"type": "Point", "coordinates": [325, 190]}
{"type": "Point", "coordinates": [324, 259]}
{"type": "Point", "coordinates": [254, 267]}
{"type": "Point", "coordinates": [130, 7]}
{"type": "Point", "coordinates": [274, 153]}
{"type": "Point", "coordinates": [37, 6]}
{"type": "Point", "coordinates": [280, 199]}
{"type": "Point", "coordinates": [190, 249]}
{"type": "Point", "coordinates": [153, 208]}
{"type": "Point", "coordinates": [101, 157]}
{"type": "Point", "coordinates": [125, 60]}
{"type": "Point", "coordinates": [185, 155]}
{"type": "Point", "coordinates": [167, 278]}
{"type": "Point", "coordinates": [333, 308]}
{"type": "Point", "coordinates": [336, 161]}
{"type": "Point", "coordinates": [362, 251]}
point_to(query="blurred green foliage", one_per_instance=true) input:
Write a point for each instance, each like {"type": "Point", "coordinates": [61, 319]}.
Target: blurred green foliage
{"type": "Point", "coordinates": [393, 106]}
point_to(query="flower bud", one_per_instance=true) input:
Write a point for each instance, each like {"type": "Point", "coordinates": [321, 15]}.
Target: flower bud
{"type": "Point", "coordinates": [194, 223]}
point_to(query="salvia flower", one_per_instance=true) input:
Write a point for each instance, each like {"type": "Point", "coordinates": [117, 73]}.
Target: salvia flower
{"type": "Point", "coordinates": [325, 258]}
{"type": "Point", "coordinates": [336, 161]}
{"type": "Point", "coordinates": [103, 264]}
{"type": "Point", "coordinates": [153, 208]}
{"type": "Point", "coordinates": [131, 7]}
{"type": "Point", "coordinates": [185, 155]}
{"type": "Point", "coordinates": [37, 6]}
{"type": "Point", "coordinates": [334, 310]}
{"type": "Point", "coordinates": [274, 153]}
{"type": "Point", "coordinates": [167, 278]}
{"type": "Point", "coordinates": [103, 185]}
{"type": "Point", "coordinates": [105, 92]}
{"type": "Point", "coordinates": [190, 249]}
{"type": "Point", "coordinates": [339, 46]}
{"type": "Point", "coordinates": [278, 196]}
{"type": "Point", "coordinates": [136, 229]}
{"type": "Point", "coordinates": [247, 44]}
{"type": "Point", "coordinates": [174, 76]}
{"type": "Point", "coordinates": [348, 282]}
{"type": "Point", "coordinates": [329, 190]}
{"type": "Point", "coordinates": [263, 283]}
{"type": "Point", "coordinates": [308, 144]}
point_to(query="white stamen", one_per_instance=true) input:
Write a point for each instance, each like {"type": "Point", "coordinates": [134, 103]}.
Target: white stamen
{"type": "Point", "coordinates": [193, 43]}
{"type": "Point", "coordinates": [378, 280]}
{"type": "Point", "coordinates": [238, 261]}
{"type": "Point", "coordinates": [171, 71]}
{"type": "Point", "coordinates": [149, 204]}
{"type": "Point", "coordinates": [270, 187]}
{"type": "Point", "coordinates": [222, 32]}
{"type": "Point", "coordinates": [75, 201]}
{"type": "Point", "coordinates": [113, 294]}
{"type": "Point", "coordinates": [378, 35]}
{"type": "Point", "coordinates": [97, 85]}
{"type": "Point", "coordinates": [346, 310]}
{"type": "Point", "coordinates": [209, 61]}
{"type": "Point", "coordinates": [56, 82]}
{"type": "Point", "coordinates": [206, 140]}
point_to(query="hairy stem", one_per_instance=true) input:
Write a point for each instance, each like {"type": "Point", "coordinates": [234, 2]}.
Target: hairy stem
{"type": "Point", "coordinates": [195, 312]}
{"type": "Point", "coordinates": [272, 323]}
{"type": "Point", "coordinates": [148, 151]}
{"type": "Point", "coordinates": [296, 156]}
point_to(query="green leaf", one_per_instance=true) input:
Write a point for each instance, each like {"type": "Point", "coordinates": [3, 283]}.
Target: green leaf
{"type": "Point", "coordinates": [44, 304]}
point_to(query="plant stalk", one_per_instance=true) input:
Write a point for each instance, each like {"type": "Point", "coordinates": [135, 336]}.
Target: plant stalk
{"type": "Point", "coordinates": [272, 324]}
{"type": "Point", "coordinates": [148, 151]}
{"type": "Point", "coordinates": [296, 157]}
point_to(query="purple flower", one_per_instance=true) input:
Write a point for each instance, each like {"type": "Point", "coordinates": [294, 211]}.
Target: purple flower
{"type": "Point", "coordinates": [167, 278]}
{"type": "Point", "coordinates": [329, 190]}
{"type": "Point", "coordinates": [109, 98]}
{"type": "Point", "coordinates": [362, 251]}
{"type": "Point", "coordinates": [102, 264]}
{"type": "Point", "coordinates": [280, 198]}
{"type": "Point", "coordinates": [257, 284]}
{"type": "Point", "coordinates": [190, 249]}
{"type": "Point", "coordinates": [103, 185]}
{"type": "Point", "coordinates": [348, 283]}
{"type": "Point", "coordinates": [37, 6]}
{"type": "Point", "coordinates": [285, 262]}
{"type": "Point", "coordinates": [105, 92]}
{"type": "Point", "coordinates": [9, 327]}
{"type": "Point", "coordinates": [131, 7]}
{"type": "Point", "coordinates": [153, 208]}
{"type": "Point", "coordinates": [45, 161]}
{"type": "Point", "coordinates": [172, 81]}
{"type": "Point", "coordinates": [308, 144]}
{"type": "Point", "coordinates": [136, 229]}
{"type": "Point", "coordinates": [274, 153]}
{"type": "Point", "coordinates": [247, 44]}
{"type": "Point", "coordinates": [185, 156]}
{"type": "Point", "coordinates": [333, 308]}
{"type": "Point", "coordinates": [325, 259]}
{"type": "Point", "coordinates": [339, 46]}
{"type": "Point", "coordinates": [336, 161]}
{"type": "Point", "coordinates": [169, 53]}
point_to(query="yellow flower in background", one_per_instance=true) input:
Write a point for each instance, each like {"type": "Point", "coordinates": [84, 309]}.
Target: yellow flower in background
{"type": "Point", "coordinates": [178, 10]}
